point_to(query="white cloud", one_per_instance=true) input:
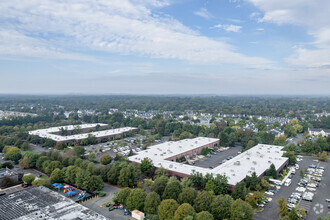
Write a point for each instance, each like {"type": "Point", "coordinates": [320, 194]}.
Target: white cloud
{"type": "Point", "coordinates": [204, 13]}
{"type": "Point", "coordinates": [228, 27]}
{"type": "Point", "coordinates": [313, 15]}
{"type": "Point", "coordinates": [71, 29]}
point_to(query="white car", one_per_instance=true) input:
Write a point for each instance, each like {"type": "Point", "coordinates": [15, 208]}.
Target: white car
{"type": "Point", "coordinates": [269, 193]}
{"type": "Point", "coordinates": [297, 167]}
{"type": "Point", "coordinates": [300, 189]}
{"type": "Point", "coordinates": [311, 189]}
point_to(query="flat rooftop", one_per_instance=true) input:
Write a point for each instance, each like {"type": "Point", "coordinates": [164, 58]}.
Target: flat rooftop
{"type": "Point", "coordinates": [41, 203]}
{"type": "Point", "coordinates": [48, 132]}
{"type": "Point", "coordinates": [257, 159]}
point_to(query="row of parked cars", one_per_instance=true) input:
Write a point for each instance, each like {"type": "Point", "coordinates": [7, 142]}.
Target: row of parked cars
{"type": "Point", "coordinates": [306, 186]}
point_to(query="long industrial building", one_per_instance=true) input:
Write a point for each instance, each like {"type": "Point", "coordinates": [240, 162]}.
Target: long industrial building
{"type": "Point", "coordinates": [39, 202]}
{"type": "Point", "coordinates": [257, 159]}
{"type": "Point", "coordinates": [53, 133]}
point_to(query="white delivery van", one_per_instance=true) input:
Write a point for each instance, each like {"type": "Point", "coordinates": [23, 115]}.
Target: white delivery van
{"type": "Point", "coordinates": [287, 182]}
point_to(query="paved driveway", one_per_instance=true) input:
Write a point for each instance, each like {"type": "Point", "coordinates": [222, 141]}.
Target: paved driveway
{"type": "Point", "coordinates": [95, 204]}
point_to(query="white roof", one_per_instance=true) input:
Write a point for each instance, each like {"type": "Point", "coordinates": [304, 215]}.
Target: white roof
{"type": "Point", "coordinates": [47, 133]}
{"type": "Point", "coordinates": [257, 159]}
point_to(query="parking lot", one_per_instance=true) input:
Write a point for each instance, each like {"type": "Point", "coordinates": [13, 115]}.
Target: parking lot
{"type": "Point", "coordinates": [317, 208]}
{"type": "Point", "coordinates": [95, 204]}
{"type": "Point", "coordinates": [214, 160]}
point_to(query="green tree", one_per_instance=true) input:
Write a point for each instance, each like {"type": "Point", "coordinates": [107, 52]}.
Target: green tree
{"type": "Point", "coordinates": [167, 208]}
{"type": "Point", "coordinates": [40, 161]}
{"type": "Point", "coordinates": [184, 211]}
{"type": "Point", "coordinates": [128, 176]}
{"type": "Point", "coordinates": [204, 215]}
{"type": "Point", "coordinates": [220, 206]}
{"type": "Point", "coordinates": [250, 144]}
{"type": "Point", "coordinates": [91, 157]}
{"type": "Point", "coordinates": [79, 150]}
{"type": "Point", "coordinates": [254, 181]}
{"type": "Point", "coordinates": [160, 172]}
{"type": "Point", "coordinates": [70, 174]}
{"type": "Point", "coordinates": [241, 210]}
{"type": "Point", "coordinates": [172, 190]}
{"type": "Point", "coordinates": [293, 215]}
{"type": "Point", "coordinates": [56, 176]}
{"type": "Point", "coordinates": [123, 195]}
{"type": "Point", "coordinates": [240, 191]}
{"type": "Point", "coordinates": [203, 201]}
{"type": "Point", "coordinates": [159, 185]}
{"type": "Point", "coordinates": [114, 172]}
{"type": "Point", "coordinates": [13, 154]}
{"type": "Point", "coordinates": [261, 125]}
{"type": "Point", "coordinates": [188, 195]}
{"type": "Point", "coordinates": [146, 166]}
{"type": "Point", "coordinates": [82, 178]}
{"type": "Point", "coordinates": [105, 159]}
{"type": "Point", "coordinates": [271, 171]}
{"type": "Point", "coordinates": [95, 183]}
{"type": "Point", "coordinates": [28, 179]}
{"type": "Point", "coordinates": [221, 184]}
{"type": "Point", "coordinates": [264, 183]}
{"type": "Point", "coordinates": [210, 187]}
{"type": "Point", "coordinates": [151, 203]}
{"type": "Point", "coordinates": [281, 140]}
{"type": "Point", "coordinates": [136, 199]}
{"type": "Point", "coordinates": [32, 158]}
{"type": "Point", "coordinates": [292, 157]}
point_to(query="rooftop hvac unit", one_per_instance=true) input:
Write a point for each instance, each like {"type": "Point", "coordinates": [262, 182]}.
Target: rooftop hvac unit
{"type": "Point", "coordinates": [254, 162]}
{"type": "Point", "coordinates": [248, 158]}
{"type": "Point", "coordinates": [232, 171]}
{"type": "Point", "coordinates": [252, 168]}
{"type": "Point", "coordinates": [269, 161]}
{"type": "Point", "coordinates": [233, 174]}
{"type": "Point", "coordinates": [171, 166]}
{"type": "Point", "coordinates": [237, 163]}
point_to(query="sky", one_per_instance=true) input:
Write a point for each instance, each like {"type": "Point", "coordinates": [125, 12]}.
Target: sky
{"type": "Point", "coordinates": [165, 47]}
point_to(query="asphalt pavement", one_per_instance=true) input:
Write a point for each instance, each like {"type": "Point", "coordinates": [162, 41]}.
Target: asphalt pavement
{"type": "Point", "coordinates": [95, 204]}
{"type": "Point", "coordinates": [317, 208]}
{"type": "Point", "coordinates": [214, 160]}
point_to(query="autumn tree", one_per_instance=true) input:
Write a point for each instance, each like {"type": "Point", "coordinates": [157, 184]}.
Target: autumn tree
{"type": "Point", "coordinates": [105, 159]}
{"type": "Point", "coordinates": [282, 206]}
